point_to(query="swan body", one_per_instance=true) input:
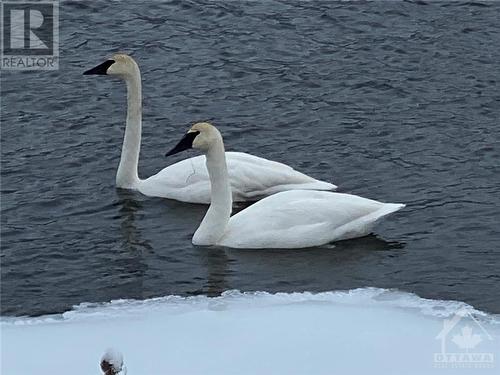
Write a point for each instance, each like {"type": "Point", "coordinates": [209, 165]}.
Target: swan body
{"type": "Point", "coordinates": [290, 219]}
{"type": "Point", "coordinates": [251, 177]}
{"type": "Point", "coordinates": [296, 219]}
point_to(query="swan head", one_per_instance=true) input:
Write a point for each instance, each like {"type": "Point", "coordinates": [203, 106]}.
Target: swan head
{"type": "Point", "coordinates": [120, 65]}
{"type": "Point", "coordinates": [202, 136]}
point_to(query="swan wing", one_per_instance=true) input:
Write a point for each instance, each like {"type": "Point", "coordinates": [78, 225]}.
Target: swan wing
{"type": "Point", "coordinates": [296, 219]}
{"type": "Point", "coordinates": [186, 181]}
{"type": "Point", "coordinates": [251, 178]}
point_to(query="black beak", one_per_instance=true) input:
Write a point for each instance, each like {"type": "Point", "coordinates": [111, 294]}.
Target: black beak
{"type": "Point", "coordinates": [100, 69]}
{"type": "Point", "coordinates": [185, 143]}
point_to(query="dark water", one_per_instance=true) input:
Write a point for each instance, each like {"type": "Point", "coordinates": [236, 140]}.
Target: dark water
{"type": "Point", "coordinates": [394, 101]}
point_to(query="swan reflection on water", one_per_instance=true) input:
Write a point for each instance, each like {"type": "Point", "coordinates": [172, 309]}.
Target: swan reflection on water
{"type": "Point", "coordinates": [309, 269]}
{"type": "Point", "coordinates": [129, 206]}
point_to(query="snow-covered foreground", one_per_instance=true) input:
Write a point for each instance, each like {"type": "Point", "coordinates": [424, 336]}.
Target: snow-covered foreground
{"type": "Point", "coordinates": [363, 331]}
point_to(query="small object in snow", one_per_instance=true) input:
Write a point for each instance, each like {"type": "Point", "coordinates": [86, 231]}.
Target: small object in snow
{"type": "Point", "coordinates": [112, 362]}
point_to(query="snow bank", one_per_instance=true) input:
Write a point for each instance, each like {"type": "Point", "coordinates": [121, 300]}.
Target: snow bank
{"type": "Point", "coordinates": [363, 331]}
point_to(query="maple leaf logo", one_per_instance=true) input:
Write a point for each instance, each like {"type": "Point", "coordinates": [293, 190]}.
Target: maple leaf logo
{"type": "Point", "coordinates": [467, 340]}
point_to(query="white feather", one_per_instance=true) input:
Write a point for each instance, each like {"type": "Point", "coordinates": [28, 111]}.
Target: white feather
{"type": "Point", "coordinates": [296, 219]}
{"type": "Point", "coordinates": [251, 178]}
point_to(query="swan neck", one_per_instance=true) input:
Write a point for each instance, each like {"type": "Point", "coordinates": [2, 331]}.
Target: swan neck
{"type": "Point", "coordinates": [214, 224]}
{"type": "Point", "coordinates": [127, 175]}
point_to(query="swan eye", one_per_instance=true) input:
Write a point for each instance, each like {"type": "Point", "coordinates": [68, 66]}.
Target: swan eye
{"type": "Point", "coordinates": [185, 143]}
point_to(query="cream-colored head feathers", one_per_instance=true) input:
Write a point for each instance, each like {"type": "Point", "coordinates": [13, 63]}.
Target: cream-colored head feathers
{"type": "Point", "coordinates": [123, 65]}
{"type": "Point", "coordinates": [208, 135]}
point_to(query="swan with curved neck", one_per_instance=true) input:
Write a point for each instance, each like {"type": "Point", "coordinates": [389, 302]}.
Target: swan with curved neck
{"type": "Point", "coordinates": [251, 177]}
{"type": "Point", "coordinates": [290, 219]}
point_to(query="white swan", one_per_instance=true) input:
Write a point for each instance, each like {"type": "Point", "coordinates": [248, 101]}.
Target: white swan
{"type": "Point", "coordinates": [251, 177]}
{"type": "Point", "coordinates": [290, 219]}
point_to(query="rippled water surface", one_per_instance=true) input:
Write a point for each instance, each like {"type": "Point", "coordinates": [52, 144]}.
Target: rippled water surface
{"type": "Point", "coordinates": [394, 101]}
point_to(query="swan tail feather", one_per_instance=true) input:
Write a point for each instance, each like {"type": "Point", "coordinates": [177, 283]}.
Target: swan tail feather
{"type": "Point", "coordinates": [364, 225]}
